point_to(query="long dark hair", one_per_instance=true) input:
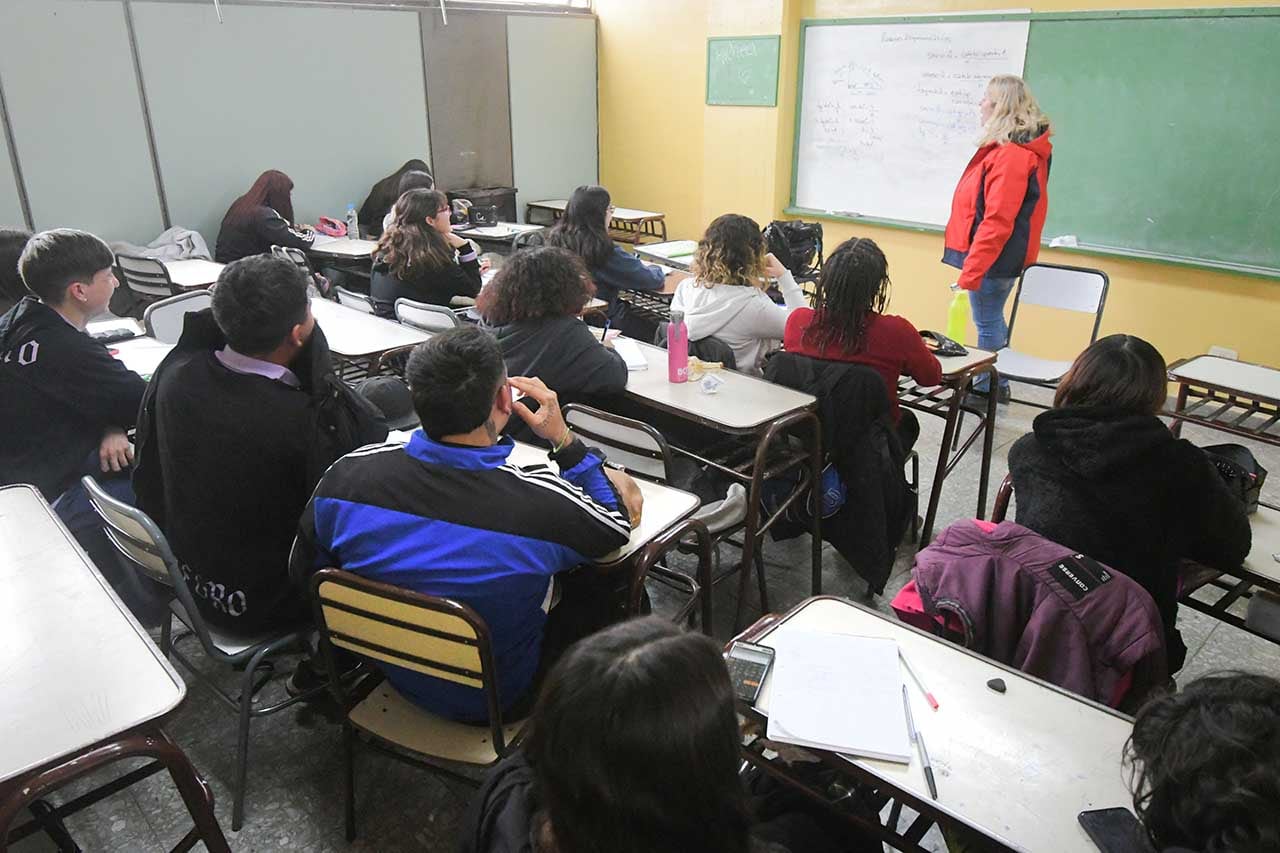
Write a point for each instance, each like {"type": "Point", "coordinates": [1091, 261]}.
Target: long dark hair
{"type": "Point", "coordinates": [730, 252]}
{"type": "Point", "coordinates": [1203, 765]}
{"type": "Point", "coordinates": [854, 284]}
{"type": "Point", "coordinates": [411, 246]}
{"type": "Point", "coordinates": [382, 195]}
{"type": "Point", "coordinates": [1119, 371]}
{"type": "Point", "coordinates": [581, 229]}
{"type": "Point", "coordinates": [545, 281]}
{"type": "Point", "coordinates": [273, 189]}
{"type": "Point", "coordinates": [634, 746]}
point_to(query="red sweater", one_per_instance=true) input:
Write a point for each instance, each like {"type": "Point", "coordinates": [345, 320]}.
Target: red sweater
{"type": "Point", "coordinates": [891, 346]}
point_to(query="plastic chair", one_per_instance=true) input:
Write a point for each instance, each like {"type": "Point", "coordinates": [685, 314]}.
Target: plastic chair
{"type": "Point", "coordinates": [143, 547]}
{"type": "Point", "coordinates": [146, 278]}
{"type": "Point", "coordinates": [358, 301]}
{"type": "Point", "coordinates": [1063, 288]}
{"type": "Point", "coordinates": [529, 239]}
{"type": "Point", "coordinates": [436, 636]}
{"type": "Point", "coordinates": [163, 320]}
{"type": "Point", "coordinates": [428, 318]}
{"type": "Point", "coordinates": [296, 255]}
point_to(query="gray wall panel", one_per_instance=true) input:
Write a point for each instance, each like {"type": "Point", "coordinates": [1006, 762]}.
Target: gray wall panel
{"type": "Point", "coordinates": [553, 105]}
{"type": "Point", "coordinates": [332, 96]}
{"type": "Point", "coordinates": [77, 118]}
{"type": "Point", "coordinates": [10, 206]}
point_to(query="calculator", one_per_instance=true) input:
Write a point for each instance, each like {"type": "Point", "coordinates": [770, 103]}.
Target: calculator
{"type": "Point", "coordinates": [748, 665]}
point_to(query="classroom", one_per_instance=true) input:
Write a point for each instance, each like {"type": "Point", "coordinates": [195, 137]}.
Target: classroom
{"type": "Point", "coordinates": [578, 426]}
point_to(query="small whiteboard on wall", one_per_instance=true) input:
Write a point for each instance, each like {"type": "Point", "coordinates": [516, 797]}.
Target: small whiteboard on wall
{"type": "Point", "coordinates": [888, 111]}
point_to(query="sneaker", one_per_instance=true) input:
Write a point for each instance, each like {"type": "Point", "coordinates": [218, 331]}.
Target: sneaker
{"type": "Point", "coordinates": [1003, 396]}
{"type": "Point", "coordinates": [304, 679]}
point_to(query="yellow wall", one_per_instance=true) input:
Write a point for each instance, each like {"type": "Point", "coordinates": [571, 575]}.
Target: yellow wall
{"type": "Point", "coordinates": [662, 148]}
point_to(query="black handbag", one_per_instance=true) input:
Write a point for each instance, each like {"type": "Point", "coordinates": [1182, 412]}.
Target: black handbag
{"type": "Point", "coordinates": [1240, 471]}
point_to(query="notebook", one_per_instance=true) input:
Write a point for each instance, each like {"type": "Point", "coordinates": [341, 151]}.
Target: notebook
{"type": "Point", "coordinates": [838, 692]}
{"type": "Point", "coordinates": [631, 354]}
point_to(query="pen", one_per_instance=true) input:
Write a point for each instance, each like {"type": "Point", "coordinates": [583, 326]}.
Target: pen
{"type": "Point", "coordinates": [915, 676]}
{"type": "Point", "coordinates": [605, 331]}
{"type": "Point", "coordinates": [919, 742]}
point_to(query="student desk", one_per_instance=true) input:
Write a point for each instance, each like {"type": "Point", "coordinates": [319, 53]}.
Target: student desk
{"type": "Point", "coordinates": [677, 254]}
{"type": "Point", "coordinates": [629, 225]}
{"type": "Point", "coordinates": [756, 417]}
{"type": "Point", "coordinates": [142, 355]}
{"type": "Point", "coordinates": [343, 248]}
{"type": "Point", "coordinates": [1261, 569]}
{"type": "Point", "coordinates": [1228, 395]}
{"type": "Point", "coordinates": [947, 401]}
{"type": "Point", "coordinates": [665, 519]}
{"type": "Point", "coordinates": [500, 237]}
{"type": "Point", "coordinates": [84, 686]}
{"type": "Point", "coordinates": [193, 273]}
{"type": "Point", "coordinates": [1015, 767]}
{"type": "Point", "coordinates": [359, 337]}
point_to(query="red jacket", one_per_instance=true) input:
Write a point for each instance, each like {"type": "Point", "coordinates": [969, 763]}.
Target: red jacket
{"type": "Point", "coordinates": [997, 213]}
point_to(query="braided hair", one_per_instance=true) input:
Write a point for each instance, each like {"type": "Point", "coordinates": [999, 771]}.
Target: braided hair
{"type": "Point", "coordinates": [853, 285]}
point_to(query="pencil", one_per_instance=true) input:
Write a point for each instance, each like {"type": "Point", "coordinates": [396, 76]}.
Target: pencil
{"type": "Point", "coordinates": [914, 734]}
{"type": "Point", "coordinates": [915, 676]}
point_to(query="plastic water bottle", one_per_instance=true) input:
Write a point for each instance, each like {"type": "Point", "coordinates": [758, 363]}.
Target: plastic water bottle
{"type": "Point", "coordinates": [677, 348]}
{"type": "Point", "coordinates": [958, 315]}
{"type": "Point", "coordinates": [353, 224]}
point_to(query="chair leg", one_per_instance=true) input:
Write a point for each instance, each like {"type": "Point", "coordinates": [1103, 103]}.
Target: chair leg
{"type": "Point", "coordinates": [764, 590]}
{"type": "Point", "coordinates": [242, 743]}
{"type": "Point", "coordinates": [348, 760]}
{"type": "Point", "coordinates": [166, 635]}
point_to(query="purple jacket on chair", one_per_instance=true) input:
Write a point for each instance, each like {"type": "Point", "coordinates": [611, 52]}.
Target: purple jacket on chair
{"type": "Point", "coordinates": [1045, 610]}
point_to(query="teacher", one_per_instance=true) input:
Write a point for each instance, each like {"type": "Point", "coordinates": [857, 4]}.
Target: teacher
{"type": "Point", "coordinates": [998, 209]}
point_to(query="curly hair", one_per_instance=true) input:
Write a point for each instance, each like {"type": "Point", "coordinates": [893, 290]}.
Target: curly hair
{"type": "Point", "coordinates": [853, 285]}
{"type": "Point", "coordinates": [411, 243]}
{"type": "Point", "coordinates": [730, 252]}
{"type": "Point", "coordinates": [544, 281]}
{"type": "Point", "coordinates": [1204, 765]}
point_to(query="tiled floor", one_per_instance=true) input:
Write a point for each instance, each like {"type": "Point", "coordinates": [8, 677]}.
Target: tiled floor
{"type": "Point", "coordinates": [294, 793]}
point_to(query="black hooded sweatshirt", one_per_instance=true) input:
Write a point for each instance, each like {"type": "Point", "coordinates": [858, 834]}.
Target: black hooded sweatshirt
{"type": "Point", "coordinates": [1120, 488]}
{"type": "Point", "coordinates": [59, 392]}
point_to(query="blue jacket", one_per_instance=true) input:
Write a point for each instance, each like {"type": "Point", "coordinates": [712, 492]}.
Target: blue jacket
{"type": "Point", "coordinates": [624, 271]}
{"type": "Point", "coordinates": [463, 523]}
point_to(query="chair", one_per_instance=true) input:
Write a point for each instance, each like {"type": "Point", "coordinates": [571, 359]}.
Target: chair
{"type": "Point", "coordinates": [1001, 507]}
{"type": "Point", "coordinates": [163, 320]}
{"type": "Point", "coordinates": [428, 318]}
{"type": "Point", "coordinates": [437, 636]}
{"type": "Point", "coordinates": [529, 239]}
{"type": "Point", "coordinates": [142, 547]}
{"type": "Point", "coordinates": [1062, 288]}
{"type": "Point", "coordinates": [358, 301]}
{"type": "Point", "coordinates": [146, 278]}
{"type": "Point", "coordinates": [296, 255]}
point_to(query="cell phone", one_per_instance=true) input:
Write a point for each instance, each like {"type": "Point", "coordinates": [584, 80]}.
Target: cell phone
{"type": "Point", "coordinates": [748, 665]}
{"type": "Point", "coordinates": [1115, 831]}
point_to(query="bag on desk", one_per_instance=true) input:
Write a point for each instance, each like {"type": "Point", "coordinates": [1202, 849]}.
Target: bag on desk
{"type": "Point", "coordinates": [1240, 471]}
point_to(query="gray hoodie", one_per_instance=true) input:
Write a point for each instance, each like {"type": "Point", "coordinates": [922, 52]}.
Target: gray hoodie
{"type": "Point", "coordinates": [745, 318]}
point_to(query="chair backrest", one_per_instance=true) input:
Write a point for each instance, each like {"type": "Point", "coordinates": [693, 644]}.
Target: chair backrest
{"type": "Point", "coordinates": [709, 348]}
{"type": "Point", "coordinates": [289, 253]}
{"type": "Point", "coordinates": [529, 239]}
{"type": "Point", "coordinates": [1000, 509]}
{"type": "Point", "coordinates": [428, 318]}
{"type": "Point", "coordinates": [358, 301]}
{"type": "Point", "coordinates": [1077, 289]}
{"type": "Point", "coordinates": [434, 636]}
{"type": "Point", "coordinates": [634, 445]}
{"type": "Point", "coordinates": [163, 320]}
{"type": "Point", "coordinates": [145, 277]}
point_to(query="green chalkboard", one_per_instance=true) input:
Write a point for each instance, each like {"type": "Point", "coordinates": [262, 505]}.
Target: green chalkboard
{"type": "Point", "coordinates": [1166, 130]}
{"type": "Point", "coordinates": [743, 71]}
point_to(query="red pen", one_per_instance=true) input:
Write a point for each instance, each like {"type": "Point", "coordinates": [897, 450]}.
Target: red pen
{"type": "Point", "coordinates": [915, 676]}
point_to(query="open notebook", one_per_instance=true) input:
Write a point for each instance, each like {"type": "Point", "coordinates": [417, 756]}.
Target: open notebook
{"type": "Point", "coordinates": [838, 692]}
{"type": "Point", "coordinates": [631, 354]}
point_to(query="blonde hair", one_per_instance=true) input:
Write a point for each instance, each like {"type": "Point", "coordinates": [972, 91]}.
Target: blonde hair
{"type": "Point", "coordinates": [1015, 115]}
{"type": "Point", "coordinates": [730, 252]}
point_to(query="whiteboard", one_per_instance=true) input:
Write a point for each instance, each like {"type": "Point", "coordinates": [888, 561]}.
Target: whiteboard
{"type": "Point", "coordinates": [888, 113]}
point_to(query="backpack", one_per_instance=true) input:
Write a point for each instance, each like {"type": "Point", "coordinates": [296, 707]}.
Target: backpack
{"type": "Point", "coordinates": [797, 246]}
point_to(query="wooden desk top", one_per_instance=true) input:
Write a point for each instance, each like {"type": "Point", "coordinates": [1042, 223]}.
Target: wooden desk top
{"type": "Point", "coordinates": [77, 668]}
{"type": "Point", "coordinates": [142, 355]}
{"type": "Point", "coordinates": [955, 365]}
{"type": "Point", "coordinates": [193, 273]}
{"type": "Point", "coordinates": [343, 247]}
{"type": "Point", "coordinates": [501, 231]}
{"type": "Point", "coordinates": [743, 404]}
{"type": "Point", "coordinates": [355, 334]}
{"type": "Point", "coordinates": [674, 253]}
{"type": "Point", "coordinates": [1017, 766]}
{"type": "Point", "coordinates": [1255, 381]}
{"type": "Point", "coordinates": [1264, 557]}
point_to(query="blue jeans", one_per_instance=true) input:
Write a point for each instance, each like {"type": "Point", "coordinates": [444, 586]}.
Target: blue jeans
{"type": "Point", "coordinates": [987, 305]}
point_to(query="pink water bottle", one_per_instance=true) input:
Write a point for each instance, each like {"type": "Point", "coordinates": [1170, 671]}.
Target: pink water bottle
{"type": "Point", "coordinates": [677, 348]}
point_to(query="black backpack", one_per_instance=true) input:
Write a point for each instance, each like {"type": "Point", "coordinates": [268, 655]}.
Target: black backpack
{"type": "Point", "coordinates": [797, 246]}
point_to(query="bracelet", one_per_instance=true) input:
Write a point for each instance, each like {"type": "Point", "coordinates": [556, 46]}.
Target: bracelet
{"type": "Point", "coordinates": [565, 441]}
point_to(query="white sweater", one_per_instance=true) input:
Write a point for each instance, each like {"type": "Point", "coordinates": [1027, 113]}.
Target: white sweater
{"type": "Point", "coordinates": [743, 317]}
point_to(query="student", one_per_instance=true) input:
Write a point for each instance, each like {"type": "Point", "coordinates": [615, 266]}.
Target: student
{"type": "Point", "coordinates": [420, 258]}
{"type": "Point", "coordinates": [448, 515]}
{"type": "Point", "coordinates": [584, 230]}
{"type": "Point", "coordinates": [260, 219]}
{"type": "Point", "coordinates": [534, 303]}
{"type": "Point", "coordinates": [849, 324]}
{"type": "Point", "coordinates": [376, 213]}
{"type": "Point", "coordinates": [633, 748]}
{"type": "Point", "coordinates": [238, 424]}
{"type": "Point", "coordinates": [65, 404]}
{"type": "Point", "coordinates": [1205, 766]}
{"type": "Point", "coordinates": [1103, 475]}
{"type": "Point", "coordinates": [726, 298]}
{"type": "Point", "coordinates": [12, 242]}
